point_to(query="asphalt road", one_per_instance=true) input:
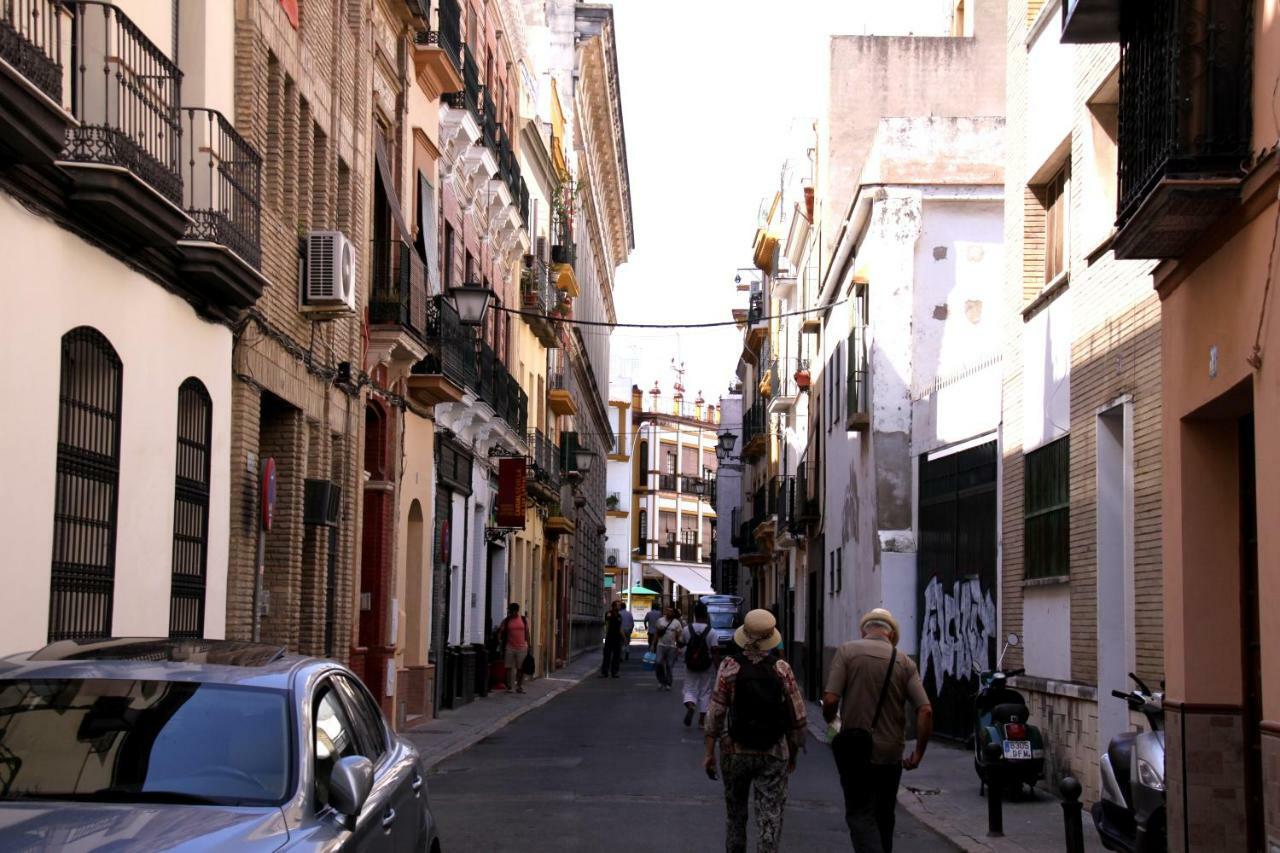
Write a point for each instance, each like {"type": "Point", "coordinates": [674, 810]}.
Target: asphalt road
{"type": "Point", "coordinates": [609, 766]}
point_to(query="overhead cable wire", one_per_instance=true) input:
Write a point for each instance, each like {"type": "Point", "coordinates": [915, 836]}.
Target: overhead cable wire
{"type": "Point", "coordinates": [717, 324]}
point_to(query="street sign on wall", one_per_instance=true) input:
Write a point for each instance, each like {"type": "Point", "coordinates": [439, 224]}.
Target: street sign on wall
{"type": "Point", "coordinates": [511, 492]}
{"type": "Point", "coordinates": [268, 492]}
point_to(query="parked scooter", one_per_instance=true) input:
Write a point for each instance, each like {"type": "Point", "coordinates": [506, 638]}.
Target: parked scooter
{"type": "Point", "coordinates": [1130, 816]}
{"type": "Point", "coordinates": [1000, 716]}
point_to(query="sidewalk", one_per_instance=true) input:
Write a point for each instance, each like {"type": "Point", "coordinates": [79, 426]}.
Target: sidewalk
{"type": "Point", "coordinates": [455, 730]}
{"type": "Point", "coordinates": [942, 793]}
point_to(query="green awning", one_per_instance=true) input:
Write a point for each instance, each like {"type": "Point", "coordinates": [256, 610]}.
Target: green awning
{"type": "Point", "coordinates": [641, 590]}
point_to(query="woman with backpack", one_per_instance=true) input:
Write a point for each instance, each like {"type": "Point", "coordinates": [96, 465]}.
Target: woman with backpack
{"type": "Point", "coordinates": [757, 718]}
{"type": "Point", "coordinates": [699, 675]}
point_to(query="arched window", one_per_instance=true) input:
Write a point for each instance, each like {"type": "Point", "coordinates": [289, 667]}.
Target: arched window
{"type": "Point", "coordinates": [87, 485]}
{"type": "Point", "coordinates": [191, 510]}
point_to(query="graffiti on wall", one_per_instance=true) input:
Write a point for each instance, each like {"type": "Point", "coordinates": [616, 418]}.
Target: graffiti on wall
{"type": "Point", "coordinates": [958, 627]}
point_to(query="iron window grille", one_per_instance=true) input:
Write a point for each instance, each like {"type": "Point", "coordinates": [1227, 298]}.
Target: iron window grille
{"type": "Point", "coordinates": [191, 511]}
{"type": "Point", "coordinates": [86, 496]}
{"type": "Point", "coordinates": [1046, 510]}
{"type": "Point", "coordinates": [857, 394]}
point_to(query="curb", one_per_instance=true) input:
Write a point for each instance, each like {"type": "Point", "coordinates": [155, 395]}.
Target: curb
{"type": "Point", "coordinates": [911, 804]}
{"type": "Point", "coordinates": [506, 720]}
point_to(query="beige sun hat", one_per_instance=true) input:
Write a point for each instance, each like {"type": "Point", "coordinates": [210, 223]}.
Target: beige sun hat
{"type": "Point", "coordinates": [759, 631]}
{"type": "Point", "coordinates": [883, 617]}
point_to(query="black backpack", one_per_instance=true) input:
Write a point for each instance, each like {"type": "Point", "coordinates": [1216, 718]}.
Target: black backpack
{"type": "Point", "coordinates": [758, 716]}
{"type": "Point", "coordinates": [697, 655]}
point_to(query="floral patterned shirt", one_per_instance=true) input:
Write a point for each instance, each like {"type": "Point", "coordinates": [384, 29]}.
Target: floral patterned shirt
{"type": "Point", "coordinates": [788, 745]}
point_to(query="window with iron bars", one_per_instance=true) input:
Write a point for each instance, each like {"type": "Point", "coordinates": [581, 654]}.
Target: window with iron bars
{"type": "Point", "coordinates": [86, 495]}
{"type": "Point", "coordinates": [1046, 510]}
{"type": "Point", "coordinates": [191, 511]}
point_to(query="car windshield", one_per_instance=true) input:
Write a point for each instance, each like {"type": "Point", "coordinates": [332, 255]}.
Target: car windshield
{"type": "Point", "coordinates": [721, 618]}
{"type": "Point", "coordinates": [143, 741]}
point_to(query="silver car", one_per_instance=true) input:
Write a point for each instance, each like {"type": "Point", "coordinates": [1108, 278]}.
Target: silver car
{"type": "Point", "coordinates": [146, 744]}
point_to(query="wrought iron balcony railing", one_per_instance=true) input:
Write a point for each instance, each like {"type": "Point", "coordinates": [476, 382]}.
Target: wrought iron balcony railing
{"type": "Point", "coordinates": [452, 346]}
{"type": "Point", "coordinates": [31, 42]}
{"type": "Point", "coordinates": [125, 94]}
{"type": "Point", "coordinates": [448, 32]}
{"type": "Point", "coordinates": [1185, 90]}
{"type": "Point", "coordinates": [755, 308]}
{"type": "Point", "coordinates": [469, 97]}
{"type": "Point", "coordinates": [667, 548]}
{"type": "Point", "coordinates": [782, 498]}
{"type": "Point", "coordinates": [222, 186]}
{"type": "Point", "coordinates": [667, 482]}
{"type": "Point", "coordinates": [754, 422]}
{"type": "Point", "coordinates": [398, 295]}
{"type": "Point", "coordinates": [545, 456]}
{"type": "Point", "coordinates": [688, 552]}
{"type": "Point", "coordinates": [805, 507]}
{"type": "Point", "coordinates": [488, 117]}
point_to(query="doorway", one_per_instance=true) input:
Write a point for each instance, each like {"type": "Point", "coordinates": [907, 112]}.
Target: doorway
{"type": "Point", "coordinates": [1115, 604]}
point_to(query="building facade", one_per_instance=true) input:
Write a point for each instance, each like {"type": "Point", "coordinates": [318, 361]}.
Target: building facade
{"type": "Point", "coordinates": [1196, 195]}
{"type": "Point", "coordinates": [131, 261]}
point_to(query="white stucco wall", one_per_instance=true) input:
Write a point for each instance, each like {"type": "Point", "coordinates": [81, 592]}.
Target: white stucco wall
{"type": "Point", "coordinates": [1046, 374]}
{"type": "Point", "coordinates": [54, 283]}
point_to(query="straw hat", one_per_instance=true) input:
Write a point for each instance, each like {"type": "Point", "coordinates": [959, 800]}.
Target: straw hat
{"type": "Point", "coordinates": [759, 631]}
{"type": "Point", "coordinates": [883, 617]}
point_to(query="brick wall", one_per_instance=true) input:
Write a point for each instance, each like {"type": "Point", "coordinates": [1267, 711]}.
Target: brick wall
{"type": "Point", "coordinates": [302, 99]}
{"type": "Point", "coordinates": [1115, 355]}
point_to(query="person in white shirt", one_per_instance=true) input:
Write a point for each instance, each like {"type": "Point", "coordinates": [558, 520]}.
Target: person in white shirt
{"type": "Point", "coordinates": [699, 671]}
{"type": "Point", "coordinates": [670, 635]}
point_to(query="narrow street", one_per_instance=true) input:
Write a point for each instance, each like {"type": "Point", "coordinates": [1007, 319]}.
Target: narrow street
{"type": "Point", "coordinates": [609, 765]}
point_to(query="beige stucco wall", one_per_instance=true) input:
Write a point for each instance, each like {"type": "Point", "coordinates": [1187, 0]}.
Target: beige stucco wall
{"type": "Point", "coordinates": [417, 483]}
{"type": "Point", "coordinates": [55, 282]}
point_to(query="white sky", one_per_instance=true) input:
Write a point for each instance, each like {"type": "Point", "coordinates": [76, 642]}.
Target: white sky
{"type": "Point", "coordinates": [711, 93]}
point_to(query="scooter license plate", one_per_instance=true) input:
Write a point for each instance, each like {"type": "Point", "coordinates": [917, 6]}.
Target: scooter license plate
{"type": "Point", "coordinates": [1017, 749]}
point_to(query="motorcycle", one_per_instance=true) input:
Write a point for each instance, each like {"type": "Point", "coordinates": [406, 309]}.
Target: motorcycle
{"type": "Point", "coordinates": [1000, 716]}
{"type": "Point", "coordinates": [1130, 815]}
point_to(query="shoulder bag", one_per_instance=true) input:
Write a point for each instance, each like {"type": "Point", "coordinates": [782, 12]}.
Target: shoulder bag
{"type": "Point", "coordinates": [852, 747]}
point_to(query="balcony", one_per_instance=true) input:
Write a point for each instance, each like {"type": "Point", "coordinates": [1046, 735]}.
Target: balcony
{"type": "Point", "coordinates": [558, 396]}
{"type": "Point", "coordinates": [544, 482]}
{"type": "Point", "coordinates": [754, 431]}
{"type": "Point", "coordinates": [667, 482]}
{"type": "Point", "coordinates": [222, 193]}
{"type": "Point", "coordinates": [757, 324]}
{"type": "Point", "coordinates": [450, 365]}
{"type": "Point", "coordinates": [539, 299]}
{"type": "Point", "coordinates": [1184, 121]}
{"type": "Point", "coordinates": [33, 125]}
{"type": "Point", "coordinates": [695, 486]}
{"type": "Point", "coordinates": [688, 550]}
{"type": "Point", "coordinates": [564, 252]}
{"type": "Point", "coordinates": [437, 56]}
{"type": "Point", "coordinates": [667, 549]}
{"type": "Point", "coordinates": [397, 304]}
{"type": "Point", "coordinates": [782, 388]}
{"type": "Point", "coordinates": [123, 156]}
{"type": "Point", "coordinates": [805, 507]}
{"type": "Point", "coordinates": [500, 390]}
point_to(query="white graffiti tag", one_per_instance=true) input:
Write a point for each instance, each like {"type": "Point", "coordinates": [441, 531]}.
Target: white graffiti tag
{"type": "Point", "coordinates": [957, 629]}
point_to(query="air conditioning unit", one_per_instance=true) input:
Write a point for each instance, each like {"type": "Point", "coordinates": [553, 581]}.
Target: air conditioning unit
{"type": "Point", "coordinates": [611, 559]}
{"type": "Point", "coordinates": [328, 274]}
{"type": "Point", "coordinates": [321, 503]}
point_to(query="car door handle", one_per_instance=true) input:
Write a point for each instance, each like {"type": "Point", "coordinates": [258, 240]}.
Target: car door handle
{"type": "Point", "coordinates": [388, 818]}
{"type": "Point", "coordinates": [417, 784]}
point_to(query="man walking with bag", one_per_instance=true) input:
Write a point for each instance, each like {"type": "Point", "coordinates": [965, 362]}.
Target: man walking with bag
{"type": "Point", "coordinates": [870, 682]}
{"type": "Point", "coordinates": [757, 716]}
{"type": "Point", "coordinates": [670, 632]}
{"type": "Point", "coordinates": [612, 641]}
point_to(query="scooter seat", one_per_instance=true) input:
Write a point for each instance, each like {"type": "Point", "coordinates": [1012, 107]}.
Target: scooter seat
{"type": "Point", "coordinates": [1007, 711]}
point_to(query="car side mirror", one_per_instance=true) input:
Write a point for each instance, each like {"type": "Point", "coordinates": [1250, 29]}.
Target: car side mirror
{"type": "Point", "coordinates": [349, 785]}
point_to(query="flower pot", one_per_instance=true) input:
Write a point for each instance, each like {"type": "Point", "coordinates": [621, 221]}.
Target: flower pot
{"type": "Point", "coordinates": [802, 380]}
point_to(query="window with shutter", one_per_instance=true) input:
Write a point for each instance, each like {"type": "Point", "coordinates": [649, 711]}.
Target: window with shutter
{"type": "Point", "coordinates": [857, 398]}
{"type": "Point", "coordinates": [1046, 510]}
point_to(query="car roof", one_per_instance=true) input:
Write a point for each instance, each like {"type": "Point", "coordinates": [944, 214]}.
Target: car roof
{"type": "Point", "coordinates": [163, 659]}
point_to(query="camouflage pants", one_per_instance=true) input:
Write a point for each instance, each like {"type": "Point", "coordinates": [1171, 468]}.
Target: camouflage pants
{"type": "Point", "coordinates": [768, 775]}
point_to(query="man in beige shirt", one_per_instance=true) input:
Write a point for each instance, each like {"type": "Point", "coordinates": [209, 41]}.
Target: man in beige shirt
{"type": "Point", "coordinates": [854, 686]}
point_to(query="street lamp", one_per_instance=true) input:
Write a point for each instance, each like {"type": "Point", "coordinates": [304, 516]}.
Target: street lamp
{"type": "Point", "coordinates": [471, 300]}
{"type": "Point", "coordinates": [582, 458]}
{"type": "Point", "coordinates": [725, 447]}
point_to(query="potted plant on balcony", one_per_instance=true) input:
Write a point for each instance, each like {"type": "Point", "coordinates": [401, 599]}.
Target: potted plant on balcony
{"type": "Point", "coordinates": [611, 502]}
{"type": "Point", "coordinates": [564, 306]}
{"type": "Point", "coordinates": [802, 376]}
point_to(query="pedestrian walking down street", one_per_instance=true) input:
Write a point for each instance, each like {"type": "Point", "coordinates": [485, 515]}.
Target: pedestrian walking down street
{"type": "Point", "coordinates": [871, 682]}
{"type": "Point", "coordinates": [628, 628]}
{"type": "Point", "coordinates": [513, 639]}
{"type": "Point", "coordinates": [612, 641]}
{"type": "Point", "coordinates": [699, 675]}
{"type": "Point", "coordinates": [757, 716]}
{"type": "Point", "coordinates": [670, 636]}
{"type": "Point", "coordinates": [651, 620]}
